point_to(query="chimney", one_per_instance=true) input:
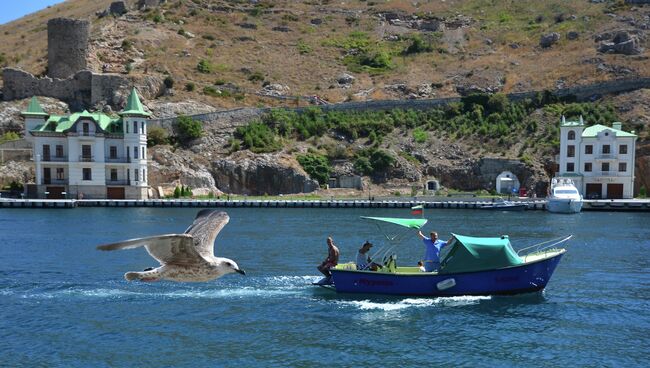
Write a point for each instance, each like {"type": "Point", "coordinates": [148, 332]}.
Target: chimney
{"type": "Point", "coordinates": [617, 125]}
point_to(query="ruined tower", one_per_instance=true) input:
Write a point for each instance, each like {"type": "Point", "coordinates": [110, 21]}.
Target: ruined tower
{"type": "Point", "coordinates": [67, 46]}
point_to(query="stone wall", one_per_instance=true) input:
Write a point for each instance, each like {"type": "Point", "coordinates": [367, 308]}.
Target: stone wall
{"type": "Point", "coordinates": [81, 91]}
{"type": "Point", "coordinates": [67, 46]}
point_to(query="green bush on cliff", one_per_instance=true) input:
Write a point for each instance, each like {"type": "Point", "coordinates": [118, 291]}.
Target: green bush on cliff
{"type": "Point", "coordinates": [258, 137]}
{"type": "Point", "coordinates": [188, 129]}
{"type": "Point", "coordinates": [156, 135]}
{"type": "Point", "coordinates": [316, 166]}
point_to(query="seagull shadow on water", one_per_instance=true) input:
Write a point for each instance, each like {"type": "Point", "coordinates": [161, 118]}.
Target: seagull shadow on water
{"type": "Point", "coordinates": [187, 257]}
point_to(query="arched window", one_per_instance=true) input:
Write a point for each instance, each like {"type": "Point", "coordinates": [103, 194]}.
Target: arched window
{"type": "Point", "coordinates": [571, 135]}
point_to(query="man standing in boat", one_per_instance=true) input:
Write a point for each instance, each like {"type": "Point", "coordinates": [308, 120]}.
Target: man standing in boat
{"type": "Point", "coordinates": [432, 254]}
{"type": "Point", "coordinates": [329, 262]}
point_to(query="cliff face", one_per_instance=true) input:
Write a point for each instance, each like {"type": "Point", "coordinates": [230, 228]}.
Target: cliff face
{"type": "Point", "coordinates": [271, 174]}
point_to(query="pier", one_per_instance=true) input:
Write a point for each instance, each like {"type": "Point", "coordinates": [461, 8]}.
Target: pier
{"type": "Point", "coordinates": [642, 205]}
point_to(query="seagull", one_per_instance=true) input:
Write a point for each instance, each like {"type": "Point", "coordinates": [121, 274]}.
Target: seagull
{"type": "Point", "coordinates": [187, 257]}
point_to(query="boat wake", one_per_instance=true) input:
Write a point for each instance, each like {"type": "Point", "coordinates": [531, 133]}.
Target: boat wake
{"type": "Point", "coordinates": [414, 303]}
{"type": "Point", "coordinates": [251, 287]}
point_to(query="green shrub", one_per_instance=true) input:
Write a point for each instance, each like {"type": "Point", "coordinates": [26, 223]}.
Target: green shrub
{"type": "Point", "coordinates": [177, 192]}
{"type": "Point", "coordinates": [303, 48]}
{"type": "Point", "coordinates": [419, 135]}
{"type": "Point", "coordinates": [9, 136]}
{"type": "Point", "coordinates": [189, 86]}
{"type": "Point", "coordinates": [418, 45]}
{"type": "Point", "coordinates": [188, 129]}
{"type": "Point", "coordinates": [258, 137]}
{"type": "Point", "coordinates": [317, 166]}
{"type": "Point", "coordinates": [204, 66]}
{"type": "Point", "coordinates": [127, 45]}
{"type": "Point", "coordinates": [642, 192]}
{"type": "Point", "coordinates": [156, 135]}
{"type": "Point", "coordinates": [256, 77]}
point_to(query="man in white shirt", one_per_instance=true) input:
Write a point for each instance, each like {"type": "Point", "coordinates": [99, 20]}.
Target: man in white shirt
{"type": "Point", "coordinates": [363, 260]}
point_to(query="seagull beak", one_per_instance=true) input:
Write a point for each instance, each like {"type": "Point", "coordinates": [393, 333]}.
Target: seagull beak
{"type": "Point", "coordinates": [241, 271]}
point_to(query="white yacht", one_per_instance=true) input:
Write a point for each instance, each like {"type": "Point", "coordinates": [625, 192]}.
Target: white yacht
{"type": "Point", "coordinates": [565, 197]}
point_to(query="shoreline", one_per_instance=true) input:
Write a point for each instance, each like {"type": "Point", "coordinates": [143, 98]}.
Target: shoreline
{"type": "Point", "coordinates": [637, 205]}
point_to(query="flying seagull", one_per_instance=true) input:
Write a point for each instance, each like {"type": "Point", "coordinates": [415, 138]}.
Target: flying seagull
{"type": "Point", "coordinates": [183, 257]}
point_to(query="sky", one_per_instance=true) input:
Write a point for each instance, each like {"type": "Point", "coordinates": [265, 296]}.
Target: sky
{"type": "Point", "coordinates": [14, 9]}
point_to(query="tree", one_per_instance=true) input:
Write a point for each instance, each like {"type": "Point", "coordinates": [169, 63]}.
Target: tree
{"type": "Point", "coordinates": [177, 192]}
{"type": "Point", "coordinates": [316, 166]}
{"type": "Point", "coordinates": [188, 129]}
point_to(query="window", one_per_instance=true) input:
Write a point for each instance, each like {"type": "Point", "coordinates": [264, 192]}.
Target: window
{"type": "Point", "coordinates": [622, 166]}
{"type": "Point", "coordinates": [143, 155]}
{"type": "Point", "coordinates": [135, 152]}
{"type": "Point", "coordinates": [144, 174]}
{"type": "Point", "coordinates": [606, 149]}
{"type": "Point", "coordinates": [46, 152]}
{"type": "Point", "coordinates": [59, 173]}
{"type": "Point", "coordinates": [135, 127]}
{"type": "Point", "coordinates": [142, 127]}
{"type": "Point", "coordinates": [86, 129]}
{"type": "Point", "coordinates": [113, 152]}
{"type": "Point", "coordinates": [136, 174]}
{"type": "Point", "coordinates": [570, 166]}
{"type": "Point", "coordinates": [604, 167]}
{"type": "Point", "coordinates": [587, 166]}
{"type": "Point", "coordinates": [59, 150]}
{"type": "Point", "coordinates": [113, 174]}
{"type": "Point", "coordinates": [571, 151]}
{"type": "Point", "coordinates": [622, 149]}
{"type": "Point", "coordinates": [572, 135]}
{"type": "Point", "coordinates": [126, 125]}
{"type": "Point", "coordinates": [86, 153]}
{"type": "Point", "coordinates": [87, 174]}
{"type": "Point", "coordinates": [589, 149]}
{"type": "Point", "coordinates": [128, 176]}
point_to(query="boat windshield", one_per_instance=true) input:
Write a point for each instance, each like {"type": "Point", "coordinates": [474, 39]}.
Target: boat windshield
{"type": "Point", "coordinates": [566, 191]}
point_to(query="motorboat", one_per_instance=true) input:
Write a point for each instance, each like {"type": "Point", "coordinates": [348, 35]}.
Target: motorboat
{"type": "Point", "coordinates": [469, 266]}
{"type": "Point", "coordinates": [564, 197]}
{"type": "Point", "coordinates": [504, 205]}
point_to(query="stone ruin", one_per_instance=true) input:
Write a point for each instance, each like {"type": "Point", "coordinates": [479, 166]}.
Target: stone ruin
{"type": "Point", "coordinates": [67, 46]}
{"type": "Point", "coordinates": [67, 78]}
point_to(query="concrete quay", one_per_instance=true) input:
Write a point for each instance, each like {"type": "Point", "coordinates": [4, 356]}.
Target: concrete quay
{"type": "Point", "coordinates": [472, 203]}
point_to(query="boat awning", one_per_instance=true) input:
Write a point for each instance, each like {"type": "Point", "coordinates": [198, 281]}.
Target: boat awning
{"type": "Point", "coordinates": [469, 254]}
{"type": "Point", "coordinates": [405, 222]}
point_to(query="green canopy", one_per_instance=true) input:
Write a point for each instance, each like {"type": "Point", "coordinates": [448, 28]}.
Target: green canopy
{"type": "Point", "coordinates": [406, 222]}
{"type": "Point", "coordinates": [469, 254]}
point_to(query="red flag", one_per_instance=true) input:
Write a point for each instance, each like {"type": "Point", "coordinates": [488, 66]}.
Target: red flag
{"type": "Point", "coordinates": [416, 212]}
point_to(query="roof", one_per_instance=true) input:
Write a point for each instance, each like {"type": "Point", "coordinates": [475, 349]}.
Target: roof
{"type": "Point", "coordinates": [133, 105]}
{"type": "Point", "coordinates": [406, 222]}
{"type": "Point", "coordinates": [592, 131]}
{"type": "Point", "coordinates": [470, 254]}
{"type": "Point", "coordinates": [60, 124]}
{"type": "Point", "coordinates": [34, 108]}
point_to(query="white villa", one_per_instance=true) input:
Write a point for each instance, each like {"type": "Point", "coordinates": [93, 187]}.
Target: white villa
{"type": "Point", "coordinates": [89, 155]}
{"type": "Point", "coordinates": [599, 159]}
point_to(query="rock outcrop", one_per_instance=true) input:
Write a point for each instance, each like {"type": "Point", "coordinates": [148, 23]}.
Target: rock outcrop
{"type": "Point", "coordinates": [15, 171]}
{"type": "Point", "coordinates": [167, 169]}
{"type": "Point", "coordinates": [272, 174]}
{"type": "Point", "coordinates": [547, 40]}
{"type": "Point", "coordinates": [621, 42]}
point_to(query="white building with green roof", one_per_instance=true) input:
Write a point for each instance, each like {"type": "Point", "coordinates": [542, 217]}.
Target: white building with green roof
{"type": "Point", "coordinates": [89, 155]}
{"type": "Point", "coordinates": [599, 159]}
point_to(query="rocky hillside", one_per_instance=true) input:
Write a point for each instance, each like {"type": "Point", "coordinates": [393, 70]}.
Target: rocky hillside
{"type": "Point", "coordinates": [226, 54]}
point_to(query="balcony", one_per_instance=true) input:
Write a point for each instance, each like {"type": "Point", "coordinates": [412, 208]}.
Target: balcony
{"type": "Point", "coordinates": [55, 158]}
{"type": "Point", "coordinates": [117, 182]}
{"type": "Point", "coordinates": [86, 158]}
{"type": "Point", "coordinates": [605, 156]}
{"type": "Point", "coordinates": [118, 160]}
{"type": "Point", "coordinates": [48, 181]}
{"type": "Point", "coordinates": [611, 173]}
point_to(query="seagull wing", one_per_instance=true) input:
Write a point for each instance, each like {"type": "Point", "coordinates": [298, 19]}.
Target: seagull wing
{"type": "Point", "coordinates": [177, 249]}
{"type": "Point", "coordinates": [205, 228]}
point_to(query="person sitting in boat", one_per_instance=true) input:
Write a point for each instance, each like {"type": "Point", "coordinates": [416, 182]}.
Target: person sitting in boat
{"type": "Point", "coordinates": [421, 266]}
{"type": "Point", "coordinates": [432, 254]}
{"type": "Point", "coordinates": [363, 259]}
{"type": "Point", "coordinates": [331, 261]}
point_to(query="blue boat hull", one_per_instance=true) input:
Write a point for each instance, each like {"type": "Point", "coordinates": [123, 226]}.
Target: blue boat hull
{"type": "Point", "coordinates": [525, 278]}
